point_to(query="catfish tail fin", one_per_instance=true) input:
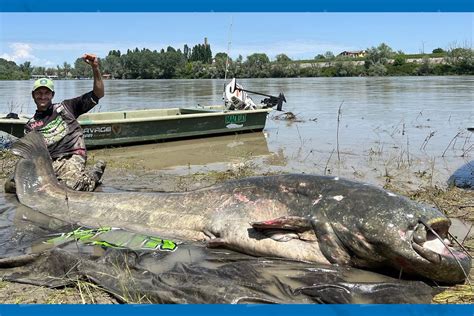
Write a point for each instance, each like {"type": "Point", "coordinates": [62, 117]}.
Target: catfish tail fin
{"type": "Point", "coordinates": [34, 171]}
{"type": "Point", "coordinates": [31, 146]}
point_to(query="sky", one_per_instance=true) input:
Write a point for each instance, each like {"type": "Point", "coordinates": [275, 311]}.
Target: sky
{"type": "Point", "coordinates": [50, 39]}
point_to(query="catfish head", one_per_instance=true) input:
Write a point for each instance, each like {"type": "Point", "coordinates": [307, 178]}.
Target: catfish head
{"type": "Point", "coordinates": [370, 227]}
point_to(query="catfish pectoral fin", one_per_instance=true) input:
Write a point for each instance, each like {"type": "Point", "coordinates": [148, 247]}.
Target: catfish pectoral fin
{"type": "Point", "coordinates": [329, 243]}
{"type": "Point", "coordinates": [240, 237]}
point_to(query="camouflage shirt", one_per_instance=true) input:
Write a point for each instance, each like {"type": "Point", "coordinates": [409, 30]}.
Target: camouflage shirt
{"type": "Point", "coordinates": [61, 130]}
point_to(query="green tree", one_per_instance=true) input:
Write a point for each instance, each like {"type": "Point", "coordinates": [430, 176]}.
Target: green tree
{"type": "Point", "coordinates": [221, 56]}
{"type": "Point", "coordinates": [282, 58]}
{"type": "Point", "coordinates": [461, 60]}
{"type": "Point", "coordinates": [186, 52]}
{"type": "Point", "coordinates": [257, 65]}
{"type": "Point", "coordinates": [169, 62]}
{"type": "Point", "coordinates": [113, 64]}
{"type": "Point", "coordinates": [26, 68]}
{"type": "Point", "coordinates": [81, 69]}
{"type": "Point", "coordinates": [10, 71]}
{"type": "Point", "coordinates": [329, 55]}
{"type": "Point", "coordinates": [66, 70]}
{"type": "Point", "coordinates": [222, 63]}
{"type": "Point", "coordinates": [59, 71]}
{"type": "Point", "coordinates": [39, 71]}
{"type": "Point", "coordinates": [377, 70]}
{"type": "Point", "coordinates": [344, 69]}
{"type": "Point", "coordinates": [426, 67]}
{"type": "Point", "coordinates": [131, 63]}
{"type": "Point", "coordinates": [51, 71]}
{"type": "Point", "coordinates": [399, 60]}
{"type": "Point", "coordinates": [202, 53]}
{"type": "Point", "coordinates": [379, 55]}
{"type": "Point", "coordinates": [194, 70]}
{"type": "Point", "coordinates": [282, 67]}
{"type": "Point", "coordinates": [377, 58]}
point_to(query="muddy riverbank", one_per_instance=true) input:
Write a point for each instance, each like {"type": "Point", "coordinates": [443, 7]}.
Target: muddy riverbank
{"type": "Point", "coordinates": [129, 173]}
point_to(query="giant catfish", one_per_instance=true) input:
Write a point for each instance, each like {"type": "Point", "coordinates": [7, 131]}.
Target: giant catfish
{"type": "Point", "coordinates": [303, 217]}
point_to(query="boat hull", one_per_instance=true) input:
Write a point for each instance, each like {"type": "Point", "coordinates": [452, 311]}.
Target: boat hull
{"type": "Point", "coordinates": [131, 127]}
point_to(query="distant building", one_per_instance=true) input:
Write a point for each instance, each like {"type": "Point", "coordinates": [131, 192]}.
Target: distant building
{"type": "Point", "coordinates": [359, 53]}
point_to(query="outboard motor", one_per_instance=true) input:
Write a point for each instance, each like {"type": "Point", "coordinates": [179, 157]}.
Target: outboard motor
{"type": "Point", "coordinates": [237, 98]}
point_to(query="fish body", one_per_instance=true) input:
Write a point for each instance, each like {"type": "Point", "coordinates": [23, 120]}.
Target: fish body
{"type": "Point", "coordinates": [296, 216]}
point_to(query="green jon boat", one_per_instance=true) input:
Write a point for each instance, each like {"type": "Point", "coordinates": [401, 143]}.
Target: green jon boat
{"type": "Point", "coordinates": [131, 127]}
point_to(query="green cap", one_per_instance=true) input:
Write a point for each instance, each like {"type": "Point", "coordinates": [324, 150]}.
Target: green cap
{"type": "Point", "coordinates": [43, 82]}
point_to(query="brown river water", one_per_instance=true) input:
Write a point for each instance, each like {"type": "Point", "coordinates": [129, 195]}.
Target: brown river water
{"type": "Point", "coordinates": [385, 123]}
{"type": "Point", "coordinates": [387, 126]}
{"type": "Point", "coordinates": [396, 120]}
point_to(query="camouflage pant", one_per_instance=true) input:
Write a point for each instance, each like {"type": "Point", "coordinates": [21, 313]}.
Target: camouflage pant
{"type": "Point", "coordinates": [71, 171]}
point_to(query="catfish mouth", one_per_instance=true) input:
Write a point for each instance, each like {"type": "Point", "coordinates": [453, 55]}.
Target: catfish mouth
{"type": "Point", "coordinates": [430, 241]}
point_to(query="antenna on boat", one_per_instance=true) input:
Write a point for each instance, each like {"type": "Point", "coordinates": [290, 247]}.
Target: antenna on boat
{"type": "Point", "coordinates": [228, 50]}
{"type": "Point", "coordinates": [227, 60]}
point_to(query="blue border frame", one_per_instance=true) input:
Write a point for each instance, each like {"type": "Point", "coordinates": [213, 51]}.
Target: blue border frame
{"type": "Point", "coordinates": [237, 6]}
{"type": "Point", "coordinates": [230, 310]}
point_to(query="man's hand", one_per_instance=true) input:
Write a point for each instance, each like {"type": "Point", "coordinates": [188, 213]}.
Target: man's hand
{"type": "Point", "coordinates": [91, 59]}
{"type": "Point", "coordinates": [98, 87]}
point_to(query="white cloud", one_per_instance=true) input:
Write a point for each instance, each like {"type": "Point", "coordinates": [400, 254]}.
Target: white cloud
{"type": "Point", "coordinates": [18, 51]}
{"type": "Point", "coordinates": [21, 52]}
{"type": "Point", "coordinates": [33, 52]}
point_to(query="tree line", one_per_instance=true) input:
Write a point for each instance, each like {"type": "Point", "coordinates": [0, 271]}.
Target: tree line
{"type": "Point", "coordinates": [198, 62]}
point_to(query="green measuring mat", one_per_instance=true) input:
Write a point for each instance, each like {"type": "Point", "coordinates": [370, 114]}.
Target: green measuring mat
{"type": "Point", "coordinates": [115, 238]}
